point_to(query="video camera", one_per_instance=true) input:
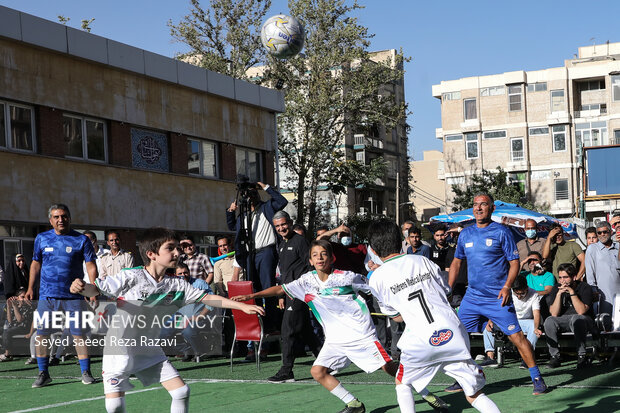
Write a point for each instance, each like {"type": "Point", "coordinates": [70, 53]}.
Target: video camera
{"type": "Point", "coordinates": [244, 186]}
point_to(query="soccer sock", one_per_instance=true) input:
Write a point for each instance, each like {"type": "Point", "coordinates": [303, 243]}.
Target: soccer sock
{"type": "Point", "coordinates": [115, 405]}
{"type": "Point", "coordinates": [405, 398]}
{"type": "Point", "coordinates": [424, 392]}
{"type": "Point", "coordinates": [44, 363]}
{"type": "Point", "coordinates": [534, 373]}
{"type": "Point", "coordinates": [84, 364]}
{"type": "Point", "coordinates": [342, 394]}
{"type": "Point", "coordinates": [485, 405]}
{"type": "Point", "coordinates": [180, 399]}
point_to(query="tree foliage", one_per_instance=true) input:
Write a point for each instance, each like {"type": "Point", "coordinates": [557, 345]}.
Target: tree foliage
{"type": "Point", "coordinates": [332, 90]}
{"type": "Point", "coordinates": [224, 37]}
{"type": "Point", "coordinates": [495, 184]}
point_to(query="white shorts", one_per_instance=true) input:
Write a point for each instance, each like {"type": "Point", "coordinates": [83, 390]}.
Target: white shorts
{"type": "Point", "coordinates": [467, 373]}
{"type": "Point", "coordinates": [119, 382]}
{"type": "Point", "coordinates": [368, 355]}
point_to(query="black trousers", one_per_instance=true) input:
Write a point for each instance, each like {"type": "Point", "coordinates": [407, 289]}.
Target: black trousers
{"type": "Point", "coordinates": [296, 328]}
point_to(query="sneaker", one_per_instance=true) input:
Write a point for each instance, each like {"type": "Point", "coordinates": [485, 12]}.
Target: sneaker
{"type": "Point", "coordinates": [4, 357]}
{"type": "Point", "coordinates": [582, 362]}
{"type": "Point", "coordinates": [43, 380]}
{"type": "Point", "coordinates": [489, 362]}
{"type": "Point", "coordinates": [481, 357]}
{"type": "Point", "coordinates": [436, 403]}
{"type": "Point", "coordinates": [188, 358]}
{"type": "Point", "coordinates": [282, 377]}
{"type": "Point", "coordinates": [54, 361]}
{"type": "Point", "coordinates": [455, 388]}
{"type": "Point", "coordinates": [88, 378]}
{"type": "Point", "coordinates": [358, 409]}
{"type": "Point", "coordinates": [554, 363]}
{"type": "Point", "coordinates": [31, 360]}
{"type": "Point", "coordinates": [523, 365]}
{"type": "Point", "coordinates": [539, 386]}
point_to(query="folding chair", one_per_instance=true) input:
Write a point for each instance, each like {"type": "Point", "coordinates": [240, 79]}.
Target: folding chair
{"type": "Point", "coordinates": [248, 327]}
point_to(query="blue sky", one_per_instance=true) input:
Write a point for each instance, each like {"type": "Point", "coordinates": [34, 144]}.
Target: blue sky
{"type": "Point", "coordinates": [446, 39]}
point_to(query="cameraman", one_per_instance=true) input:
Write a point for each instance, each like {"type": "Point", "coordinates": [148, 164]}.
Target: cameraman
{"type": "Point", "coordinates": [538, 278]}
{"type": "Point", "coordinates": [259, 264]}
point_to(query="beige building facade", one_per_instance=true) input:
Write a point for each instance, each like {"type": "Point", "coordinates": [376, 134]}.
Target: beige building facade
{"type": "Point", "coordinates": [428, 183]}
{"type": "Point", "coordinates": [128, 139]}
{"type": "Point", "coordinates": [534, 125]}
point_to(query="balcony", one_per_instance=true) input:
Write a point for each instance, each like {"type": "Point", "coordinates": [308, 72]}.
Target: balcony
{"type": "Point", "coordinates": [590, 113]}
{"type": "Point", "coordinates": [362, 141]}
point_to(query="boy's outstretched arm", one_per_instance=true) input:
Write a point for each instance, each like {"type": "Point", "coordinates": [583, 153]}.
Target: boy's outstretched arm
{"type": "Point", "coordinates": [223, 302]}
{"type": "Point", "coordinates": [80, 287]}
{"type": "Point", "coordinates": [269, 292]}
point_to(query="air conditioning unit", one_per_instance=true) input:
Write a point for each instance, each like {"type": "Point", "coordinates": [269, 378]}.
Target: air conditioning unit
{"type": "Point", "coordinates": [596, 220]}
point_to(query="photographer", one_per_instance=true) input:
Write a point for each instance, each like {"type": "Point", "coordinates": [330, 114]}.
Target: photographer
{"type": "Point", "coordinates": [258, 254]}
{"type": "Point", "coordinates": [538, 278]}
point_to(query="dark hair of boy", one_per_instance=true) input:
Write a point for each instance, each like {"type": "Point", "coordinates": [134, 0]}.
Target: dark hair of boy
{"type": "Point", "coordinates": [152, 239]}
{"type": "Point", "coordinates": [415, 230]}
{"type": "Point", "coordinates": [590, 230]}
{"type": "Point", "coordinates": [520, 283]}
{"type": "Point", "coordinates": [385, 237]}
{"type": "Point", "coordinates": [182, 265]}
{"type": "Point", "coordinates": [219, 237]}
{"type": "Point", "coordinates": [326, 245]}
{"type": "Point", "coordinates": [568, 268]}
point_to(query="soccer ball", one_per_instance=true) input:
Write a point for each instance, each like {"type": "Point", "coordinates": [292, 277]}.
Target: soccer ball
{"type": "Point", "coordinates": [283, 36]}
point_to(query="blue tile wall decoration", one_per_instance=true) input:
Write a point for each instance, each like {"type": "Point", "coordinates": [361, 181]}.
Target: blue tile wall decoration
{"type": "Point", "coordinates": [149, 150]}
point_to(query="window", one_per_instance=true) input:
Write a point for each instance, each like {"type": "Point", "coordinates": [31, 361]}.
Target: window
{"type": "Point", "coordinates": [494, 134]}
{"type": "Point", "coordinates": [557, 100]}
{"type": "Point", "coordinates": [492, 91]}
{"type": "Point", "coordinates": [249, 164]}
{"type": "Point", "coordinates": [515, 97]}
{"type": "Point", "coordinates": [360, 157]}
{"type": "Point", "coordinates": [451, 96]}
{"type": "Point", "coordinates": [539, 131]}
{"type": "Point", "coordinates": [590, 134]}
{"type": "Point", "coordinates": [518, 180]}
{"type": "Point", "coordinates": [471, 146]}
{"type": "Point", "coordinates": [469, 107]}
{"type": "Point", "coordinates": [16, 126]}
{"type": "Point", "coordinates": [595, 106]}
{"type": "Point", "coordinates": [202, 157]}
{"type": "Point", "coordinates": [84, 138]}
{"type": "Point", "coordinates": [615, 88]}
{"type": "Point", "coordinates": [559, 138]}
{"type": "Point", "coordinates": [455, 180]}
{"type": "Point", "coordinates": [452, 138]}
{"type": "Point", "coordinates": [591, 85]}
{"type": "Point", "coordinates": [537, 87]}
{"type": "Point", "coordinates": [517, 152]}
{"type": "Point", "coordinates": [561, 189]}
{"type": "Point", "coordinates": [616, 138]}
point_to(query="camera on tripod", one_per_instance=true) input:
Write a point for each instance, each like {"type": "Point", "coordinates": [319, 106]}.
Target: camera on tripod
{"type": "Point", "coordinates": [244, 186]}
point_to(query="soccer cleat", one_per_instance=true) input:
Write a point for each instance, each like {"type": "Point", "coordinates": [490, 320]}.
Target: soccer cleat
{"type": "Point", "coordinates": [583, 362]}
{"type": "Point", "coordinates": [31, 360]}
{"type": "Point", "coordinates": [43, 380]}
{"type": "Point", "coordinates": [282, 377]}
{"type": "Point", "coordinates": [436, 403]}
{"type": "Point", "coordinates": [489, 362]}
{"type": "Point", "coordinates": [88, 378]}
{"type": "Point", "coordinates": [539, 386]}
{"type": "Point", "coordinates": [455, 388]}
{"type": "Point", "coordinates": [554, 363]}
{"type": "Point", "coordinates": [54, 361]}
{"type": "Point", "coordinates": [357, 409]}
{"type": "Point", "coordinates": [523, 365]}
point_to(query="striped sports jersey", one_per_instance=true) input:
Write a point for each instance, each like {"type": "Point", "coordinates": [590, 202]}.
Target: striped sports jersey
{"type": "Point", "coordinates": [342, 313]}
{"type": "Point", "coordinates": [61, 258]}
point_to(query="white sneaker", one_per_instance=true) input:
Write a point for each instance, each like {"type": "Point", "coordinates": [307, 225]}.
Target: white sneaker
{"type": "Point", "coordinates": [480, 357]}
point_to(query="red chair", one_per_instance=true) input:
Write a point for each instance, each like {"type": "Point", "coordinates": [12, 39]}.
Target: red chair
{"type": "Point", "coordinates": [248, 327]}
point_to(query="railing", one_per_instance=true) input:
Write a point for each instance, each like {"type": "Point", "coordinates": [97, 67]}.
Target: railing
{"type": "Point", "coordinates": [363, 140]}
{"type": "Point", "coordinates": [518, 155]}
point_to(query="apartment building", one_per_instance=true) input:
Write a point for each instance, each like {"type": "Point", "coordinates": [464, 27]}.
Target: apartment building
{"type": "Point", "coordinates": [128, 139]}
{"type": "Point", "coordinates": [535, 125]}
{"type": "Point", "coordinates": [428, 184]}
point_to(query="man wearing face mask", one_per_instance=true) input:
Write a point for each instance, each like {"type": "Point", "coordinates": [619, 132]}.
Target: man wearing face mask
{"type": "Point", "coordinates": [350, 256]}
{"type": "Point", "coordinates": [530, 243]}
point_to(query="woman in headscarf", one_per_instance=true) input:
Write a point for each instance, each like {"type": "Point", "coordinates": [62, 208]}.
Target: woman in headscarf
{"type": "Point", "coordinates": [16, 277]}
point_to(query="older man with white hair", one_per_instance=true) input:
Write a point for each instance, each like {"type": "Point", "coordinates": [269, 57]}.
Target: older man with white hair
{"type": "Point", "coordinates": [603, 267]}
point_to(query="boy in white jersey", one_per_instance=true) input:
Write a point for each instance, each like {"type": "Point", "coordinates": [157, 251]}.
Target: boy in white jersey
{"type": "Point", "coordinates": [349, 332]}
{"type": "Point", "coordinates": [410, 289]}
{"type": "Point", "coordinates": [148, 287]}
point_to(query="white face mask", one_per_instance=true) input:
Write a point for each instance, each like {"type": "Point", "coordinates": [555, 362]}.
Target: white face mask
{"type": "Point", "coordinates": [346, 241]}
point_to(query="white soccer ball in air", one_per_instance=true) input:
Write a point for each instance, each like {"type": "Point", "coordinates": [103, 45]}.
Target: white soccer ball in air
{"type": "Point", "coordinates": [283, 36]}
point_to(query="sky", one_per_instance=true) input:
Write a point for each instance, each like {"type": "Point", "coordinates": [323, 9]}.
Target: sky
{"type": "Point", "coordinates": [446, 39]}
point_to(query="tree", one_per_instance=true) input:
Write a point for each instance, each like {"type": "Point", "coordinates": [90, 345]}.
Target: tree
{"type": "Point", "coordinates": [495, 184]}
{"type": "Point", "coordinates": [332, 90]}
{"type": "Point", "coordinates": [225, 37]}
